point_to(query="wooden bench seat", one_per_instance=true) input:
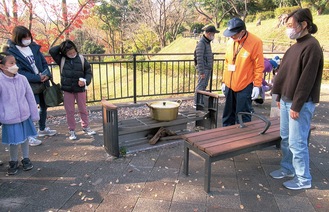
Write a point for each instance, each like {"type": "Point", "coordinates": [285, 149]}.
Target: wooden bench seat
{"type": "Point", "coordinates": [220, 143]}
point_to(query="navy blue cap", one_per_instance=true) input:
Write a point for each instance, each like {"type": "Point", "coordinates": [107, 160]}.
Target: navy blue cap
{"type": "Point", "coordinates": [234, 26]}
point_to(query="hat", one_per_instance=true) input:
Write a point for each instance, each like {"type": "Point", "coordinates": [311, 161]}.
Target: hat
{"type": "Point", "coordinates": [275, 62]}
{"type": "Point", "coordinates": [211, 29]}
{"type": "Point", "coordinates": [234, 26]}
{"type": "Point", "coordinates": [277, 59]}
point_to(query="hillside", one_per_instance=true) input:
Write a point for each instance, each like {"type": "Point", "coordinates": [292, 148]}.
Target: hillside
{"type": "Point", "coordinates": [267, 31]}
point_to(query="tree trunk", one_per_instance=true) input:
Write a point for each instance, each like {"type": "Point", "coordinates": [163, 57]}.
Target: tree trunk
{"type": "Point", "coordinates": [65, 20]}
{"type": "Point", "coordinates": [15, 16]}
{"type": "Point", "coordinates": [6, 9]}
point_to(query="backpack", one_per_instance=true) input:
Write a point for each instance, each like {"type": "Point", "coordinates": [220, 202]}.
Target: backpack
{"type": "Point", "coordinates": [63, 62]}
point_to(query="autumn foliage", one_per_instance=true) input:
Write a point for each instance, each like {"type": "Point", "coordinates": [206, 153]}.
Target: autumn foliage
{"type": "Point", "coordinates": [49, 21]}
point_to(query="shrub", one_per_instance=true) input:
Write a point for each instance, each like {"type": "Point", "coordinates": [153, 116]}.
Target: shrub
{"type": "Point", "coordinates": [325, 75]}
{"type": "Point", "coordinates": [155, 49]}
{"type": "Point", "coordinates": [250, 18]}
{"type": "Point", "coordinates": [197, 26]}
{"type": "Point", "coordinates": [285, 10]}
{"type": "Point", "coordinates": [265, 15]}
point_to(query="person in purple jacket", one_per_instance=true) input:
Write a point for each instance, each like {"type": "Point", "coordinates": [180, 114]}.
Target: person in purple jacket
{"type": "Point", "coordinates": [18, 110]}
{"type": "Point", "coordinates": [270, 65]}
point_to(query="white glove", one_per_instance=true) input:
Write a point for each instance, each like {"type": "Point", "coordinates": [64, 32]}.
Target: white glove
{"type": "Point", "coordinates": [223, 87]}
{"type": "Point", "coordinates": [255, 93]}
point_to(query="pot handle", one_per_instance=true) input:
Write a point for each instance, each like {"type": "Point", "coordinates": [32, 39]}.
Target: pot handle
{"type": "Point", "coordinates": [179, 101]}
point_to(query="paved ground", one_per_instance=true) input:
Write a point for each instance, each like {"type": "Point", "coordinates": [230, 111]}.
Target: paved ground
{"type": "Point", "coordinates": [81, 176]}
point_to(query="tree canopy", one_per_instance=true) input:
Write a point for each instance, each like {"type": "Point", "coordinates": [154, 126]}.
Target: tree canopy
{"type": "Point", "coordinates": [127, 26]}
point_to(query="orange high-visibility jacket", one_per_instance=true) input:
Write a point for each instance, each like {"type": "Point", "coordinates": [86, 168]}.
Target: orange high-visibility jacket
{"type": "Point", "coordinates": [249, 63]}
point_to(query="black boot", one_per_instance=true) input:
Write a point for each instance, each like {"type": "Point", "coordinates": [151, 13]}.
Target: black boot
{"type": "Point", "coordinates": [27, 165]}
{"type": "Point", "coordinates": [13, 167]}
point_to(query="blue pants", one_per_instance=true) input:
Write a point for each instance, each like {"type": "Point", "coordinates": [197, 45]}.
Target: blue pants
{"type": "Point", "coordinates": [237, 102]}
{"type": "Point", "coordinates": [42, 110]}
{"type": "Point", "coordinates": [294, 144]}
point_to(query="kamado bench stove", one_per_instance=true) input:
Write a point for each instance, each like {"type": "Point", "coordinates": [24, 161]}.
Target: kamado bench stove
{"type": "Point", "coordinates": [132, 135]}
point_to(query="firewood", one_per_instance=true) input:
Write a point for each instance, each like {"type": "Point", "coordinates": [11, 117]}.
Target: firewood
{"type": "Point", "coordinates": [169, 132]}
{"type": "Point", "coordinates": [157, 136]}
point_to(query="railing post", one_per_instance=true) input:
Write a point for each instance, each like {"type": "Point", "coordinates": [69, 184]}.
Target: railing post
{"type": "Point", "coordinates": [135, 77]}
{"type": "Point", "coordinates": [212, 72]}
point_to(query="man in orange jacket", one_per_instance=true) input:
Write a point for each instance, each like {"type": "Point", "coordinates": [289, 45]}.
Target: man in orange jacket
{"type": "Point", "coordinates": [243, 72]}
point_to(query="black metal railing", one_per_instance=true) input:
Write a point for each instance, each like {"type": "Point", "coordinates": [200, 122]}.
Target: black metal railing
{"type": "Point", "coordinates": [139, 76]}
{"type": "Point", "coordinates": [135, 77]}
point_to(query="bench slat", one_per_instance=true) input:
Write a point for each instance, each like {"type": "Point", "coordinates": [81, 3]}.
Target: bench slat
{"type": "Point", "coordinates": [274, 121]}
{"type": "Point", "coordinates": [206, 132]}
{"type": "Point", "coordinates": [229, 139]}
{"type": "Point", "coordinates": [224, 135]}
{"type": "Point", "coordinates": [244, 143]}
{"type": "Point", "coordinates": [225, 132]}
{"type": "Point", "coordinates": [237, 137]}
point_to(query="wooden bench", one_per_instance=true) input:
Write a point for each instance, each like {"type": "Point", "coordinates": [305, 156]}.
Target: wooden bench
{"type": "Point", "coordinates": [226, 142]}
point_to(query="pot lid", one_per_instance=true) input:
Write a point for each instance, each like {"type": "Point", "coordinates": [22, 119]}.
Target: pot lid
{"type": "Point", "coordinates": [164, 104]}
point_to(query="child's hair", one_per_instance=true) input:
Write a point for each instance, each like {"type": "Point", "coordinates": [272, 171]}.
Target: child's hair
{"type": "Point", "coordinates": [66, 46]}
{"type": "Point", "coordinates": [20, 32]}
{"type": "Point", "coordinates": [3, 57]}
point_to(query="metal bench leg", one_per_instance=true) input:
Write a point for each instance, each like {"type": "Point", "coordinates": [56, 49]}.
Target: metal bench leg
{"type": "Point", "coordinates": [186, 159]}
{"type": "Point", "coordinates": [207, 173]}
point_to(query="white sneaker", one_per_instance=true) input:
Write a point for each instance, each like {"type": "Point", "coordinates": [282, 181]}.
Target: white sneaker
{"type": "Point", "coordinates": [72, 135]}
{"type": "Point", "coordinates": [34, 142]}
{"type": "Point", "coordinates": [89, 131]}
{"type": "Point", "coordinates": [46, 132]}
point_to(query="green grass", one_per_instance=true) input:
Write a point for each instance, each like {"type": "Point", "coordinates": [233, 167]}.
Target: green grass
{"type": "Point", "coordinates": [267, 31]}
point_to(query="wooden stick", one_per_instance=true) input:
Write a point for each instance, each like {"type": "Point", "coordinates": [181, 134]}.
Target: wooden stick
{"type": "Point", "coordinates": [157, 136]}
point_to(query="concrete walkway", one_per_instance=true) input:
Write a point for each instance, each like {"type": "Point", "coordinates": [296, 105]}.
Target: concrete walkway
{"type": "Point", "coordinates": [80, 176]}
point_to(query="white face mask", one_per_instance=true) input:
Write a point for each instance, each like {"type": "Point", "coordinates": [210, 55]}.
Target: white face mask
{"type": "Point", "coordinates": [211, 37]}
{"type": "Point", "coordinates": [26, 42]}
{"type": "Point", "coordinates": [239, 38]}
{"type": "Point", "coordinates": [13, 69]}
{"type": "Point", "coordinates": [292, 34]}
{"type": "Point", "coordinates": [72, 56]}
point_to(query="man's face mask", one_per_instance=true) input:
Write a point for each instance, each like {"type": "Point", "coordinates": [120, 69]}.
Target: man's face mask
{"type": "Point", "coordinates": [237, 37]}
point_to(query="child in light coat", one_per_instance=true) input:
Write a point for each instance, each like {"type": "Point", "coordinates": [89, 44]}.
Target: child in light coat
{"type": "Point", "coordinates": [18, 110]}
